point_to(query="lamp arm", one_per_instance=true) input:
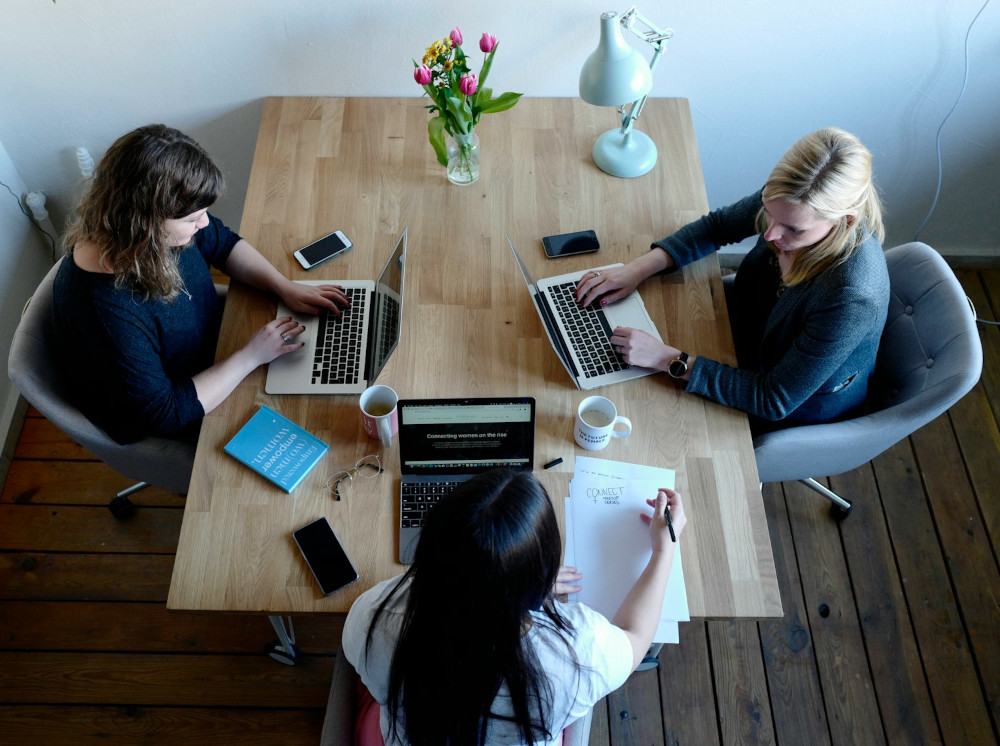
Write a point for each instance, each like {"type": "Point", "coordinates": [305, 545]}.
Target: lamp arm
{"type": "Point", "coordinates": [636, 108]}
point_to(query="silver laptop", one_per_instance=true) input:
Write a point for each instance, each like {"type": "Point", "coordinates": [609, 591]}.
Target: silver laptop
{"type": "Point", "coordinates": [444, 442]}
{"type": "Point", "coordinates": [345, 355]}
{"type": "Point", "coordinates": [581, 335]}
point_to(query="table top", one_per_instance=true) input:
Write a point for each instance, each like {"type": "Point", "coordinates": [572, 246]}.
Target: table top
{"type": "Point", "coordinates": [365, 166]}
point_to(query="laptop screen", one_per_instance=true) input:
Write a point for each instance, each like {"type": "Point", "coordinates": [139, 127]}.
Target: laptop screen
{"type": "Point", "coordinates": [466, 436]}
{"type": "Point", "coordinates": [387, 315]}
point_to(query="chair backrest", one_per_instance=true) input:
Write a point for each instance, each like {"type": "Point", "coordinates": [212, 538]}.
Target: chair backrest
{"type": "Point", "coordinates": [929, 357]}
{"type": "Point", "coordinates": [33, 370]}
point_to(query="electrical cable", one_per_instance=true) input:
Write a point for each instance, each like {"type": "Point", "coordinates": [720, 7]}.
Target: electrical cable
{"type": "Point", "coordinates": [937, 139]}
{"type": "Point", "coordinates": [31, 218]}
{"type": "Point", "coordinates": [937, 147]}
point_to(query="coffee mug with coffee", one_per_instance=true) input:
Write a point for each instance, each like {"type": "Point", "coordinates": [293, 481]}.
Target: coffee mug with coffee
{"type": "Point", "coordinates": [597, 422]}
{"type": "Point", "coordinates": [378, 411]}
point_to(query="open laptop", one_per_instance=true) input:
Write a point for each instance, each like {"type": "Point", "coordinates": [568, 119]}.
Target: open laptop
{"type": "Point", "coordinates": [581, 335]}
{"type": "Point", "coordinates": [444, 442]}
{"type": "Point", "coordinates": [345, 355]}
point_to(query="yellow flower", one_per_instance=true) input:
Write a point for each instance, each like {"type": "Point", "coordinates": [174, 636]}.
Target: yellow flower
{"type": "Point", "coordinates": [447, 65]}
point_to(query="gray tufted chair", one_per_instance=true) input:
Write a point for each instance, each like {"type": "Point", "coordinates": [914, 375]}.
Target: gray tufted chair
{"type": "Point", "coordinates": [158, 461]}
{"type": "Point", "coordinates": [930, 356]}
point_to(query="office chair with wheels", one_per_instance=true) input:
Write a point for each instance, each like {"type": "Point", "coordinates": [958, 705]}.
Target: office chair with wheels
{"type": "Point", "coordinates": [338, 724]}
{"type": "Point", "coordinates": [929, 357]}
{"type": "Point", "coordinates": [32, 368]}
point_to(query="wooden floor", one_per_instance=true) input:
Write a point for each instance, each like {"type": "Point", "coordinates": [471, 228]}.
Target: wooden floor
{"type": "Point", "coordinates": [891, 632]}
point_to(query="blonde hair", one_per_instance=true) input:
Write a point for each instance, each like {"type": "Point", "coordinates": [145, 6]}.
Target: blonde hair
{"type": "Point", "coordinates": [148, 176]}
{"type": "Point", "coordinates": [830, 171]}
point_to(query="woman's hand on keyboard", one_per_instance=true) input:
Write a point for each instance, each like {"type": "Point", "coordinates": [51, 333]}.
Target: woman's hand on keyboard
{"type": "Point", "coordinates": [314, 298]}
{"type": "Point", "coordinates": [615, 283]}
{"type": "Point", "coordinates": [608, 285]}
{"type": "Point", "coordinates": [642, 349]}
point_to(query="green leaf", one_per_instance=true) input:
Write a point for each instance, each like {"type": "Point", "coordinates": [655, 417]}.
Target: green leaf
{"type": "Point", "coordinates": [487, 64]}
{"type": "Point", "coordinates": [501, 103]}
{"type": "Point", "coordinates": [435, 133]}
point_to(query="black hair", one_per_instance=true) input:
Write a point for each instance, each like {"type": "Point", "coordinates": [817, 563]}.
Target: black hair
{"type": "Point", "coordinates": [486, 559]}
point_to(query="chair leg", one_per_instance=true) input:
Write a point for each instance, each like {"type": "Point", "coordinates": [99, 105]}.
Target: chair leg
{"type": "Point", "coordinates": [839, 507]}
{"type": "Point", "coordinates": [121, 507]}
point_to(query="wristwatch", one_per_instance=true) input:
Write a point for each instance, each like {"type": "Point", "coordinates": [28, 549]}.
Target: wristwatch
{"type": "Point", "coordinates": [678, 366]}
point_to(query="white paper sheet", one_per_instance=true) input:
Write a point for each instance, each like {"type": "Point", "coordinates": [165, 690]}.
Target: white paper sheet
{"type": "Point", "coordinates": [609, 542]}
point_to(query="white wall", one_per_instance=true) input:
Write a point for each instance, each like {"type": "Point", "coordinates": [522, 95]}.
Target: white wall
{"type": "Point", "coordinates": [759, 75]}
{"type": "Point", "coordinates": [26, 254]}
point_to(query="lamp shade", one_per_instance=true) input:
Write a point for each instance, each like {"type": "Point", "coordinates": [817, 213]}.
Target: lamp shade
{"type": "Point", "coordinates": [615, 73]}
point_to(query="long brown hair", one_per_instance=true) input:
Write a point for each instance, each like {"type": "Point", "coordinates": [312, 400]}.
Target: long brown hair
{"type": "Point", "coordinates": [830, 171]}
{"type": "Point", "coordinates": [152, 174]}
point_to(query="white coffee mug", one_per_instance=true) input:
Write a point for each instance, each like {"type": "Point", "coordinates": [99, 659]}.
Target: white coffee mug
{"type": "Point", "coordinates": [378, 411]}
{"type": "Point", "coordinates": [596, 423]}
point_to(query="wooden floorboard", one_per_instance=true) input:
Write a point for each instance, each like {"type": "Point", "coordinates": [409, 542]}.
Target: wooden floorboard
{"type": "Point", "coordinates": [891, 633]}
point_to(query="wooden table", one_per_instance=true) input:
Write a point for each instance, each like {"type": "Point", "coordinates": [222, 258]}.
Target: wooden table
{"type": "Point", "coordinates": [365, 166]}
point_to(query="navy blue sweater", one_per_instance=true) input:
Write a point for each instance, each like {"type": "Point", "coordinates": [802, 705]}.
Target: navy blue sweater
{"type": "Point", "coordinates": [804, 357]}
{"type": "Point", "coordinates": [129, 361]}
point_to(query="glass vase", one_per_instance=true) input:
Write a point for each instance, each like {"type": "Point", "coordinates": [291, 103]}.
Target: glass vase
{"type": "Point", "coordinates": [463, 158]}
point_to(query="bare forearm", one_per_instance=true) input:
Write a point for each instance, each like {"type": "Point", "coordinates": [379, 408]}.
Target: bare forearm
{"type": "Point", "coordinates": [216, 383]}
{"type": "Point", "coordinates": [639, 613]}
{"type": "Point", "coordinates": [249, 266]}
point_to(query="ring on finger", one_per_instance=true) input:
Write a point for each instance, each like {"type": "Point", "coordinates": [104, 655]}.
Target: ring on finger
{"type": "Point", "coordinates": [287, 338]}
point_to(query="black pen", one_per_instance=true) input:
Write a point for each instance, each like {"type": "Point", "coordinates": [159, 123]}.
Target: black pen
{"type": "Point", "coordinates": [670, 524]}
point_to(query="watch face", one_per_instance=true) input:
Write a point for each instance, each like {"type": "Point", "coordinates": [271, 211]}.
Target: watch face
{"type": "Point", "coordinates": [677, 368]}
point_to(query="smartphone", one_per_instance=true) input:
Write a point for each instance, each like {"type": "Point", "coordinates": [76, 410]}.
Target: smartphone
{"type": "Point", "coordinates": [568, 244]}
{"type": "Point", "coordinates": [325, 556]}
{"type": "Point", "coordinates": [323, 249]}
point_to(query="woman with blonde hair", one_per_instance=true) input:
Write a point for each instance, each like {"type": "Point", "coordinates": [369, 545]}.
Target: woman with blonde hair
{"type": "Point", "coordinates": [808, 302]}
{"type": "Point", "coordinates": [136, 315]}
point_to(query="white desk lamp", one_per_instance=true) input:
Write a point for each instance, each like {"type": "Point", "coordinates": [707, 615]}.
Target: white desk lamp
{"type": "Point", "coordinates": [614, 75]}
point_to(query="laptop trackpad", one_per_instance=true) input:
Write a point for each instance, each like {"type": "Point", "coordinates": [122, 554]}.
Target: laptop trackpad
{"type": "Point", "coordinates": [628, 312]}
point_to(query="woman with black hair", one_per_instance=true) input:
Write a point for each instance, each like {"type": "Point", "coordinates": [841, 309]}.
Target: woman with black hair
{"type": "Point", "coordinates": [471, 646]}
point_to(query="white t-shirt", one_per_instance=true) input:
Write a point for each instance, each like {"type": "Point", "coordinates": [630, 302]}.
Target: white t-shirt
{"type": "Point", "coordinates": [602, 650]}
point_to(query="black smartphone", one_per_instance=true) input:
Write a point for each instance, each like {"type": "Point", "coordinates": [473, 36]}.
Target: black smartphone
{"type": "Point", "coordinates": [568, 244]}
{"type": "Point", "coordinates": [323, 249]}
{"type": "Point", "coordinates": [325, 556]}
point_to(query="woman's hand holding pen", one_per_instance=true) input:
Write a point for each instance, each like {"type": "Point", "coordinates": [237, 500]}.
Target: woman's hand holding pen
{"type": "Point", "coordinates": [668, 519]}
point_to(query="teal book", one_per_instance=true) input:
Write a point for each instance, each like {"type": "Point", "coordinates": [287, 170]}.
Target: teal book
{"type": "Point", "coordinates": [276, 448]}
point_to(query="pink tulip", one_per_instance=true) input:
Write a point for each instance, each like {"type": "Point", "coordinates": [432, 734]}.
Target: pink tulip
{"type": "Point", "coordinates": [487, 42]}
{"type": "Point", "coordinates": [422, 75]}
{"type": "Point", "coordinates": [468, 84]}
{"type": "Point", "coordinates": [456, 36]}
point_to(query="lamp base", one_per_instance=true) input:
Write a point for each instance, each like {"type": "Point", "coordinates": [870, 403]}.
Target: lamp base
{"type": "Point", "coordinates": [629, 155]}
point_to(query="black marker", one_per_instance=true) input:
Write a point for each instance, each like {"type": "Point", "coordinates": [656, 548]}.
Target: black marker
{"type": "Point", "coordinates": [670, 523]}
{"type": "Point", "coordinates": [554, 462]}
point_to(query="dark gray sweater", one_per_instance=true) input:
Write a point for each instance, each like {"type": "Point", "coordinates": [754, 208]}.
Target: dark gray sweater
{"type": "Point", "coordinates": [804, 356]}
{"type": "Point", "coordinates": [128, 361]}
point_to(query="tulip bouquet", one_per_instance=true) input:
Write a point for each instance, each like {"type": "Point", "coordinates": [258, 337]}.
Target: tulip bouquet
{"type": "Point", "coordinates": [460, 97]}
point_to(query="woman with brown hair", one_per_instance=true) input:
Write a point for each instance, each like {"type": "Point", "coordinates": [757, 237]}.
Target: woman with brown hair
{"type": "Point", "coordinates": [136, 314]}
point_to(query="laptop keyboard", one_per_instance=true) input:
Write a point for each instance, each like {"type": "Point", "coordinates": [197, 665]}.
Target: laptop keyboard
{"type": "Point", "coordinates": [388, 324]}
{"type": "Point", "coordinates": [418, 498]}
{"type": "Point", "coordinates": [338, 341]}
{"type": "Point", "coordinates": [589, 332]}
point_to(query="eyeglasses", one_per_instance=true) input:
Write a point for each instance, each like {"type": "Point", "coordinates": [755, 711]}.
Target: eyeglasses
{"type": "Point", "coordinates": [368, 467]}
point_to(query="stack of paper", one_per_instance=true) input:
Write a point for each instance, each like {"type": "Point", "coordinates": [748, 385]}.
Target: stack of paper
{"type": "Point", "coordinates": [609, 543]}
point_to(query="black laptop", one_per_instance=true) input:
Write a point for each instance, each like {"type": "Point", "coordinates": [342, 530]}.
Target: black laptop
{"type": "Point", "coordinates": [443, 442]}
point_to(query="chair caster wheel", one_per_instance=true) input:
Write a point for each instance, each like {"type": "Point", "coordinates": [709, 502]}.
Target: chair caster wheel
{"type": "Point", "coordinates": [280, 654]}
{"type": "Point", "coordinates": [838, 513]}
{"type": "Point", "coordinates": [121, 508]}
